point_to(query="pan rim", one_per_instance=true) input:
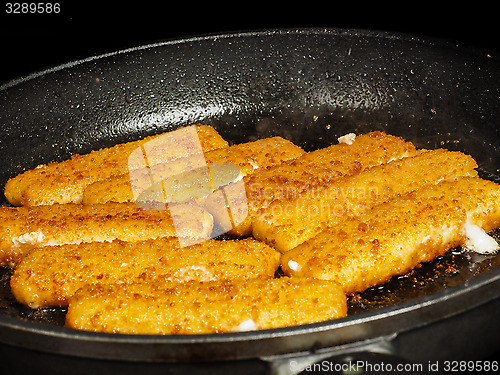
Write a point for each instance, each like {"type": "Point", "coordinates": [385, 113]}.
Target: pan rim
{"type": "Point", "coordinates": [245, 34]}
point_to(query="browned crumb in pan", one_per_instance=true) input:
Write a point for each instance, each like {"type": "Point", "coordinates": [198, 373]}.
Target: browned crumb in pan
{"type": "Point", "coordinates": [205, 307]}
{"type": "Point", "coordinates": [51, 275]}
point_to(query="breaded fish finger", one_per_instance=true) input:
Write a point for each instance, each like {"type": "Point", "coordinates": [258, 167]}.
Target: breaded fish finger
{"type": "Point", "coordinates": [287, 223]}
{"type": "Point", "coordinates": [49, 276]}
{"type": "Point", "coordinates": [23, 228]}
{"type": "Point", "coordinates": [247, 156]}
{"type": "Point", "coordinates": [64, 182]}
{"type": "Point", "coordinates": [396, 236]}
{"type": "Point", "coordinates": [205, 307]}
{"type": "Point", "coordinates": [289, 179]}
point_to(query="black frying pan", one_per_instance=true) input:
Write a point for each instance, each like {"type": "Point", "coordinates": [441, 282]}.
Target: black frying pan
{"type": "Point", "coordinates": [309, 86]}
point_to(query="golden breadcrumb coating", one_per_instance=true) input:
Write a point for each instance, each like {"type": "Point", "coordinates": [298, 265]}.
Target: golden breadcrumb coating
{"type": "Point", "coordinates": [345, 218]}
{"type": "Point", "coordinates": [64, 182]}
{"type": "Point", "coordinates": [289, 179]}
{"type": "Point", "coordinates": [205, 307]}
{"type": "Point", "coordinates": [23, 228]}
{"type": "Point", "coordinates": [287, 223]}
{"type": "Point", "coordinates": [396, 236]}
{"type": "Point", "coordinates": [51, 275]}
{"type": "Point", "coordinates": [247, 156]}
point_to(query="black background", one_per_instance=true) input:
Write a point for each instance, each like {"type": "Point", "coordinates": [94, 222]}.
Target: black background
{"type": "Point", "coordinates": [33, 42]}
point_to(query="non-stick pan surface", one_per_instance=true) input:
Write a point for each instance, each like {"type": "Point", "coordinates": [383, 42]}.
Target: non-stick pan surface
{"type": "Point", "coordinates": [310, 86]}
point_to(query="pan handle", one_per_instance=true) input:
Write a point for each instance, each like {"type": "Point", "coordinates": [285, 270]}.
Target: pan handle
{"type": "Point", "coordinates": [360, 358]}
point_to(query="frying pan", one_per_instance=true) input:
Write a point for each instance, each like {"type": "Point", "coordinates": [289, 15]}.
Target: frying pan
{"type": "Point", "coordinates": [310, 86]}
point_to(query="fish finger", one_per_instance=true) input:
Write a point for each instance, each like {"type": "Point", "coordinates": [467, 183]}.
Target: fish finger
{"type": "Point", "coordinates": [396, 236]}
{"type": "Point", "coordinates": [287, 223]}
{"type": "Point", "coordinates": [248, 157]}
{"type": "Point", "coordinates": [197, 307]}
{"type": "Point", "coordinates": [24, 228]}
{"type": "Point", "coordinates": [49, 276]}
{"type": "Point", "coordinates": [287, 180]}
{"type": "Point", "coordinates": [65, 181]}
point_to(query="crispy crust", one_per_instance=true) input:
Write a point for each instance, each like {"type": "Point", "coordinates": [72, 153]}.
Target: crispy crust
{"type": "Point", "coordinates": [205, 307]}
{"type": "Point", "coordinates": [51, 275]}
{"type": "Point", "coordinates": [289, 179]}
{"type": "Point", "coordinates": [346, 217]}
{"type": "Point", "coordinates": [396, 236]}
{"type": "Point", "coordinates": [64, 182]}
{"type": "Point", "coordinates": [23, 228]}
{"type": "Point", "coordinates": [247, 156]}
{"type": "Point", "coordinates": [287, 223]}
